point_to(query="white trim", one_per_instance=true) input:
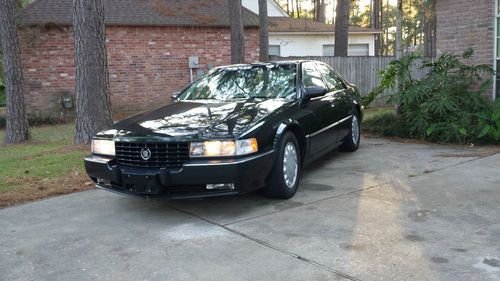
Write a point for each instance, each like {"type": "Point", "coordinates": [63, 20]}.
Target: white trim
{"type": "Point", "coordinates": [329, 127]}
{"type": "Point", "coordinates": [277, 6]}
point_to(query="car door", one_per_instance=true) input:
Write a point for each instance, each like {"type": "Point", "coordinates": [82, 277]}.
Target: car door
{"type": "Point", "coordinates": [321, 136]}
{"type": "Point", "coordinates": [340, 101]}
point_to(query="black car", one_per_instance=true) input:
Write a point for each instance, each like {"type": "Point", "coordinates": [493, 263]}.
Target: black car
{"type": "Point", "coordinates": [237, 129]}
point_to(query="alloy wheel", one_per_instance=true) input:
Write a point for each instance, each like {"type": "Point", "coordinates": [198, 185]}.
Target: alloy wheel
{"type": "Point", "coordinates": [290, 165]}
{"type": "Point", "coordinates": [355, 130]}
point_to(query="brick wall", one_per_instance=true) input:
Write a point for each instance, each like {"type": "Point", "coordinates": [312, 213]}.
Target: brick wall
{"type": "Point", "coordinates": [146, 64]}
{"type": "Point", "coordinates": [465, 23]}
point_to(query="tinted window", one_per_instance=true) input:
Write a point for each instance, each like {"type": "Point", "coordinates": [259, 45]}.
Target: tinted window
{"type": "Point", "coordinates": [243, 82]}
{"type": "Point", "coordinates": [331, 79]}
{"type": "Point", "coordinates": [310, 76]}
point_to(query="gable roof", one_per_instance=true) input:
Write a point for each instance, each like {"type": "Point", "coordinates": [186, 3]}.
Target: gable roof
{"type": "Point", "coordinates": [273, 8]}
{"type": "Point", "coordinates": [278, 7]}
{"type": "Point", "coordinates": [210, 13]}
{"type": "Point", "coordinates": [283, 24]}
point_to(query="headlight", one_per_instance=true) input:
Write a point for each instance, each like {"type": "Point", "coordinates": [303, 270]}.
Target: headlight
{"type": "Point", "coordinates": [223, 148]}
{"type": "Point", "coordinates": [104, 147]}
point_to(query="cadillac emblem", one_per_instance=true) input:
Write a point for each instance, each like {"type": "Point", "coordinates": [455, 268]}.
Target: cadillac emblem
{"type": "Point", "coordinates": [145, 153]}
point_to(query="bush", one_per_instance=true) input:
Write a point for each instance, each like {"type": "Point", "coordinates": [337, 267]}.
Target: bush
{"type": "Point", "coordinates": [490, 122]}
{"type": "Point", "coordinates": [384, 122]}
{"type": "Point", "coordinates": [444, 105]}
{"type": "Point", "coordinates": [36, 120]}
{"type": "Point", "coordinates": [2, 86]}
{"type": "Point", "coordinates": [2, 95]}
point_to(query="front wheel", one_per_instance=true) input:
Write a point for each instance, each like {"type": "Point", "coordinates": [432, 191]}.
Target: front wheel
{"type": "Point", "coordinates": [286, 172]}
{"type": "Point", "coordinates": [351, 141]}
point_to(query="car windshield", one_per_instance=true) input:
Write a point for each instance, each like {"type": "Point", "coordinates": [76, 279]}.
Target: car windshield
{"type": "Point", "coordinates": [244, 82]}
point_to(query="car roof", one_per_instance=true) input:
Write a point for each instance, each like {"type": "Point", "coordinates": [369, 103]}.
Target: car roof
{"type": "Point", "coordinates": [285, 62]}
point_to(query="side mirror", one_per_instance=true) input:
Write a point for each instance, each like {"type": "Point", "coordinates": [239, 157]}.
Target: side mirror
{"type": "Point", "coordinates": [315, 91]}
{"type": "Point", "coordinates": [175, 95]}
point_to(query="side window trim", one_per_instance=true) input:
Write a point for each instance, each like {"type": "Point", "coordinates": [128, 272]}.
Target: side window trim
{"type": "Point", "coordinates": [316, 65]}
{"type": "Point", "coordinates": [313, 64]}
{"type": "Point", "coordinates": [323, 76]}
{"type": "Point", "coordinates": [339, 77]}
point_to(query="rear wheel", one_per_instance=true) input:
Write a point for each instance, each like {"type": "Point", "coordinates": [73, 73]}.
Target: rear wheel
{"type": "Point", "coordinates": [286, 172]}
{"type": "Point", "coordinates": [351, 141]}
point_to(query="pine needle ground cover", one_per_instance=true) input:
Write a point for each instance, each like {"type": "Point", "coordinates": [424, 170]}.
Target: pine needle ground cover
{"type": "Point", "coordinates": [46, 166]}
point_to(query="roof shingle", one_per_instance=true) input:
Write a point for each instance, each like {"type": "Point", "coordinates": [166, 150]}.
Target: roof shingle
{"type": "Point", "coordinates": [140, 13]}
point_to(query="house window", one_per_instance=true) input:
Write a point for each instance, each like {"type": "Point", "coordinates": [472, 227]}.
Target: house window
{"type": "Point", "coordinates": [274, 50]}
{"type": "Point", "coordinates": [359, 50]}
{"type": "Point", "coordinates": [354, 50]}
{"type": "Point", "coordinates": [328, 50]}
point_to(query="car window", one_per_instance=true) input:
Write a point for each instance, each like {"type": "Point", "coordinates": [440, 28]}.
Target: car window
{"type": "Point", "coordinates": [270, 81]}
{"type": "Point", "coordinates": [332, 81]}
{"type": "Point", "coordinates": [311, 76]}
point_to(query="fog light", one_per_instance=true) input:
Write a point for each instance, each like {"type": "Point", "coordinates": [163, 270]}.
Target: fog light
{"type": "Point", "coordinates": [220, 186]}
{"type": "Point", "coordinates": [103, 181]}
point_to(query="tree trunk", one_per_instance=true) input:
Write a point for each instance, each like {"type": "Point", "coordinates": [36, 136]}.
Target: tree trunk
{"type": "Point", "coordinates": [315, 10]}
{"type": "Point", "coordinates": [298, 8]}
{"type": "Point", "coordinates": [429, 27]}
{"type": "Point", "coordinates": [376, 24]}
{"type": "Point", "coordinates": [93, 104]}
{"type": "Point", "coordinates": [237, 32]}
{"type": "Point", "coordinates": [399, 30]}
{"type": "Point", "coordinates": [263, 31]}
{"type": "Point", "coordinates": [16, 129]}
{"type": "Point", "coordinates": [320, 11]}
{"type": "Point", "coordinates": [399, 43]}
{"type": "Point", "coordinates": [342, 28]}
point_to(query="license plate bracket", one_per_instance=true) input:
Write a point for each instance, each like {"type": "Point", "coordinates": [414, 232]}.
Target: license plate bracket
{"type": "Point", "coordinates": [144, 184]}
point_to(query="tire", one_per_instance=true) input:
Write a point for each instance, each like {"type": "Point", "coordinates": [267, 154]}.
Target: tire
{"type": "Point", "coordinates": [283, 185]}
{"type": "Point", "coordinates": [351, 141]}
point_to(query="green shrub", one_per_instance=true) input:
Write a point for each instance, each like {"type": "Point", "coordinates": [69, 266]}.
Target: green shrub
{"type": "Point", "coordinates": [384, 122]}
{"type": "Point", "coordinates": [2, 89]}
{"type": "Point", "coordinates": [444, 105]}
{"type": "Point", "coordinates": [2, 95]}
{"type": "Point", "coordinates": [2, 85]}
{"type": "Point", "coordinates": [37, 120]}
{"type": "Point", "coordinates": [490, 122]}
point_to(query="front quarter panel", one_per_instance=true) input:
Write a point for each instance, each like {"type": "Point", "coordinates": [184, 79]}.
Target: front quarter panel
{"type": "Point", "coordinates": [269, 129]}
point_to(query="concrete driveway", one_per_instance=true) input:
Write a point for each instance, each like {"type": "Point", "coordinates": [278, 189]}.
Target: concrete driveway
{"type": "Point", "coordinates": [391, 211]}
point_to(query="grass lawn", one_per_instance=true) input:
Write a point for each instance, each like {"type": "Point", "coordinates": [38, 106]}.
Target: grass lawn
{"type": "Point", "coordinates": [48, 165]}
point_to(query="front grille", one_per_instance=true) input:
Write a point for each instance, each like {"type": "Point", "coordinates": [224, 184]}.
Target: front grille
{"type": "Point", "coordinates": [168, 155]}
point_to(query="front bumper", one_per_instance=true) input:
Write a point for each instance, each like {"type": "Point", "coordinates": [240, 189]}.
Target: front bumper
{"type": "Point", "coordinates": [247, 174]}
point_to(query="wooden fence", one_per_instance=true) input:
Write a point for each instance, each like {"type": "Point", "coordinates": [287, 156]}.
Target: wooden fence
{"type": "Point", "coordinates": [361, 71]}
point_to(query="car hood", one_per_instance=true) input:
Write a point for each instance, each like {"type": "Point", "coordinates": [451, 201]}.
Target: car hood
{"type": "Point", "coordinates": [196, 120]}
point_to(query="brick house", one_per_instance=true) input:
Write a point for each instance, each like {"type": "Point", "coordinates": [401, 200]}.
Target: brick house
{"type": "Point", "coordinates": [149, 43]}
{"type": "Point", "coordinates": [463, 23]}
